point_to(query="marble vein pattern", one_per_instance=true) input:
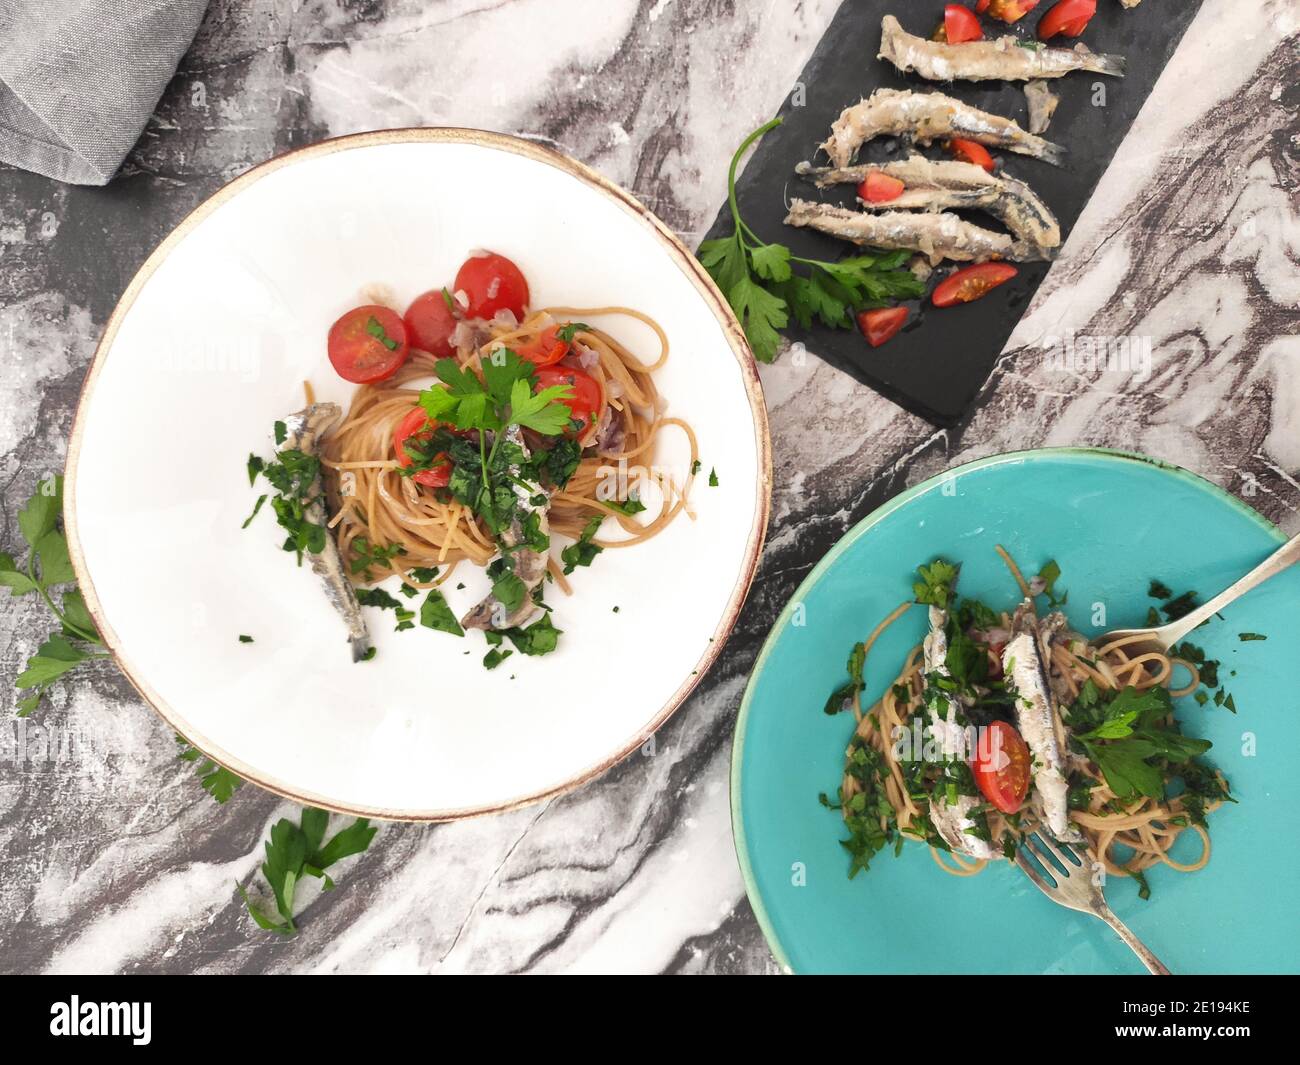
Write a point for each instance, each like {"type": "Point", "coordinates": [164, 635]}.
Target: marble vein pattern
{"type": "Point", "coordinates": [113, 860]}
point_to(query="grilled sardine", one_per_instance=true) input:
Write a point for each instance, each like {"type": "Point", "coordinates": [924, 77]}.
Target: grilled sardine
{"type": "Point", "coordinates": [951, 820]}
{"type": "Point", "coordinates": [932, 185]}
{"type": "Point", "coordinates": [937, 236]}
{"type": "Point", "coordinates": [303, 432]}
{"type": "Point", "coordinates": [926, 117]}
{"type": "Point", "coordinates": [1038, 720]}
{"type": "Point", "coordinates": [1002, 59]}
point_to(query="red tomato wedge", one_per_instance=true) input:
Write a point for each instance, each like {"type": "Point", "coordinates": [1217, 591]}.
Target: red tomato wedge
{"type": "Point", "coordinates": [971, 152]}
{"type": "Point", "coordinates": [881, 324]}
{"type": "Point", "coordinates": [880, 188]}
{"type": "Point", "coordinates": [368, 344]}
{"type": "Point", "coordinates": [585, 400]}
{"type": "Point", "coordinates": [972, 282]}
{"type": "Point", "coordinates": [492, 283]}
{"type": "Point", "coordinates": [430, 322]}
{"type": "Point", "coordinates": [1068, 18]}
{"type": "Point", "coordinates": [416, 424]}
{"type": "Point", "coordinates": [1001, 766]}
{"type": "Point", "coordinates": [960, 24]}
{"type": "Point", "coordinates": [546, 350]}
{"type": "Point", "coordinates": [1010, 11]}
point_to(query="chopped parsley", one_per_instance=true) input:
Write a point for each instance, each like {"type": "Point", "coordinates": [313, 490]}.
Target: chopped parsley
{"type": "Point", "coordinates": [1250, 637]}
{"type": "Point", "coordinates": [713, 477]}
{"type": "Point", "coordinates": [568, 331]}
{"type": "Point", "coordinates": [840, 697]}
{"type": "Point", "coordinates": [376, 330]}
{"type": "Point", "coordinates": [583, 552]}
{"type": "Point", "coordinates": [935, 586]}
{"type": "Point", "coordinates": [245, 639]}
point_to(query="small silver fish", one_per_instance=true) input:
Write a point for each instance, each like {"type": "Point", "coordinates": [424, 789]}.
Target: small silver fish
{"type": "Point", "coordinates": [938, 185]}
{"type": "Point", "coordinates": [937, 236]}
{"type": "Point", "coordinates": [951, 820]}
{"type": "Point", "coordinates": [303, 432]}
{"type": "Point", "coordinates": [1042, 105]}
{"type": "Point", "coordinates": [1037, 717]}
{"type": "Point", "coordinates": [926, 117]}
{"type": "Point", "coordinates": [530, 566]}
{"type": "Point", "coordinates": [1002, 59]}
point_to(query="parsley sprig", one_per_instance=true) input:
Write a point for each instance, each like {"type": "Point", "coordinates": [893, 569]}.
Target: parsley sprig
{"type": "Point", "coordinates": [296, 851]}
{"type": "Point", "coordinates": [763, 288]}
{"type": "Point", "coordinates": [47, 570]}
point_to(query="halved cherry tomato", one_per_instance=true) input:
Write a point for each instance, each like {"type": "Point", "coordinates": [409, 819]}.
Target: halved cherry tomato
{"type": "Point", "coordinates": [1011, 10]}
{"type": "Point", "coordinates": [430, 322]}
{"type": "Point", "coordinates": [1069, 17]}
{"type": "Point", "coordinates": [971, 152]}
{"type": "Point", "coordinates": [546, 350]}
{"type": "Point", "coordinates": [981, 6]}
{"type": "Point", "coordinates": [960, 24]}
{"type": "Point", "coordinates": [1001, 766]}
{"type": "Point", "coordinates": [368, 344]}
{"type": "Point", "coordinates": [585, 400]}
{"type": "Point", "coordinates": [972, 282]}
{"type": "Point", "coordinates": [492, 283]}
{"type": "Point", "coordinates": [416, 424]}
{"type": "Point", "coordinates": [881, 324]}
{"type": "Point", "coordinates": [880, 188]}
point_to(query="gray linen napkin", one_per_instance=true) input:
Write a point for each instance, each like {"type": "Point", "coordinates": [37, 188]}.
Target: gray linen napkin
{"type": "Point", "coordinates": [80, 78]}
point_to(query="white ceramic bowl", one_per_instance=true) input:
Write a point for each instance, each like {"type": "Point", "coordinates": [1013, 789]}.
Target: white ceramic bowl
{"type": "Point", "coordinates": [211, 343]}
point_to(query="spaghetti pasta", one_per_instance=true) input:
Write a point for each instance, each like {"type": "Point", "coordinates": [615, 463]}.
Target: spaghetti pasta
{"type": "Point", "coordinates": [1128, 834]}
{"type": "Point", "coordinates": [373, 504]}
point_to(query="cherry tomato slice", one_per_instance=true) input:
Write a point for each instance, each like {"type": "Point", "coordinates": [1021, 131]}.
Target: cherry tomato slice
{"type": "Point", "coordinates": [882, 324]}
{"type": "Point", "coordinates": [1001, 766]}
{"type": "Point", "coordinates": [972, 282]}
{"type": "Point", "coordinates": [880, 188]}
{"type": "Point", "coordinates": [1069, 17]}
{"type": "Point", "coordinates": [585, 400]}
{"type": "Point", "coordinates": [368, 344]}
{"type": "Point", "coordinates": [960, 24]}
{"type": "Point", "coordinates": [971, 152]}
{"type": "Point", "coordinates": [492, 283]}
{"type": "Point", "coordinates": [546, 350]}
{"type": "Point", "coordinates": [416, 424]}
{"type": "Point", "coordinates": [430, 323]}
{"type": "Point", "coordinates": [1010, 11]}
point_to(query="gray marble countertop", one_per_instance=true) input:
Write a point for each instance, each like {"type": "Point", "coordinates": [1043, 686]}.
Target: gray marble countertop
{"type": "Point", "coordinates": [114, 860]}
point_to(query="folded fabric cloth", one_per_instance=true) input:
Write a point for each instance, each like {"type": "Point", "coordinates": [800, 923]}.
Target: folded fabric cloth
{"type": "Point", "coordinates": [80, 78]}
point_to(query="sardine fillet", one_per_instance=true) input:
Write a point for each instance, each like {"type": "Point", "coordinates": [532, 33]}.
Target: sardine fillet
{"type": "Point", "coordinates": [303, 432]}
{"type": "Point", "coordinates": [937, 236]}
{"type": "Point", "coordinates": [927, 117]}
{"type": "Point", "coordinates": [1002, 59]}
{"type": "Point", "coordinates": [938, 185]}
{"type": "Point", "coordinates": [1036, 717]}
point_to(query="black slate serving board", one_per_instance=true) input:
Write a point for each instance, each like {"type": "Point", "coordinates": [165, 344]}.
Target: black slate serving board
{"type": "Point", "coordinates": [936, 366]}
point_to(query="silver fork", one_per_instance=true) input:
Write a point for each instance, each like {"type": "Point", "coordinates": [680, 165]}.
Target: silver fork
{"type": "Point", "coordinates": [1074, 888]}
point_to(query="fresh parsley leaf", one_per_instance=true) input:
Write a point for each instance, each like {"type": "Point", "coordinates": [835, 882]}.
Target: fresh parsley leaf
{"type": "Point", "coordinates": [376, 330]}
{"type": "Point", "coordinates": [539, 638]}
{"type": "Point", "coordinates": [216, 780]}
{"type": "Point", "coordinates": [631, 505]}
{"type": "Point", "coordinates": [570, 329]}
{"type": "Point", "coordinates": [583, 552]}
{"type": "Point", "coordinates": [545, 412]}
{"type": "Point", "coordinates": [365, 554]}
{"type": "Point", "coordinates": [295, 851]}
{"type": "Point", "coordinates": [713, 477]}
{"type": "Point", "coordinates": [1049, 575]}
{"type": "Point", "coordinates": [495, 657]}
{"type": "Point", "coordinates": [936, 583]}
{"type": "Point", "coordinates": [436, 614]}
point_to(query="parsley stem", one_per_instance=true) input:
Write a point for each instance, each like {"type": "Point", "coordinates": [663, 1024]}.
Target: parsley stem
{"type": "Point", "coordinates": [741, 228]}
{"type": "Point", "coordinates": [76, 630]}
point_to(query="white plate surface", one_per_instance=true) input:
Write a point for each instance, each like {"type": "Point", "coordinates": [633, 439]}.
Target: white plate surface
{"type": "Point", "coordinates": [211, 344]}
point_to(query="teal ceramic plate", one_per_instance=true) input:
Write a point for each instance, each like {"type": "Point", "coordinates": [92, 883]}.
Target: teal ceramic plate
{"type": "Point", "coordinates": [1113, 522]}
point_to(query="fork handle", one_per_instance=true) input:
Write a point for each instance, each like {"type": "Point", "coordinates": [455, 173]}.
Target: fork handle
{"type": "Point", "coordinates": [1285, 556]}
{"type": "Point", "coordinates": [1153, 964]}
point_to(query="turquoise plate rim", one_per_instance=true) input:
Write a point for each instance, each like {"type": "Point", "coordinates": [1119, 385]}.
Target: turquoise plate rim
{"type": "Point", "coordinates": [852, 536]}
